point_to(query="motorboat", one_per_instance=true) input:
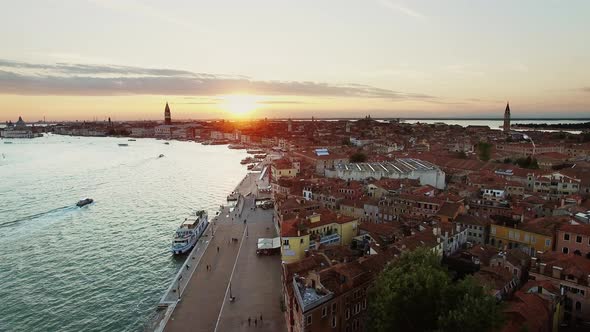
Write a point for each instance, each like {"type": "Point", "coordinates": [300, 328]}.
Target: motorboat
{"type": "Point", "coordinates": [123, 144]}
{"type": "Point", "coordinates": [161, 156]}
{"type": "Point", "coordinates": [131, 140]}
{"type": "Point", "coordinates": [189, 232]}
{"type": "Point", "coordinates": [167, 143]}
{"type": "Point", "coordinates": [84, 202]}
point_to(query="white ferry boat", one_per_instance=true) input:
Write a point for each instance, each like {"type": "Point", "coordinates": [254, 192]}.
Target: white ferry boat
{"type": "Point", "coordinates": [189, 232]}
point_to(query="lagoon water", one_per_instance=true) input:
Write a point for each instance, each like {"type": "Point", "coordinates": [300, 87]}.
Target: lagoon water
{"type": "Point", "coordinates": [105, 266]}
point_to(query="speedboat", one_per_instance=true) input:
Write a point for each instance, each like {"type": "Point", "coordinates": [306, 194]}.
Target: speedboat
{"type": "Point", "coordinates": [84, 202]}
{"type": "Point", "coordinates": [189, 232]}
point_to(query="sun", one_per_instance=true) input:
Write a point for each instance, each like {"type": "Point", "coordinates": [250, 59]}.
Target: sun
{"type": "Point", "coordinates": [239, 105]}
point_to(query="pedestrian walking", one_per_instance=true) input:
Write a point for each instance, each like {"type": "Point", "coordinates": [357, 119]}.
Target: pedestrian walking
{"type": "Point", "coordinates": [255, 322]}
{"type": "Point", "coordinates": [260, 318]}
{"type": "Point", "coordinates": [217, 249]}
{"type": "Point", "coordinates": [249, 321]}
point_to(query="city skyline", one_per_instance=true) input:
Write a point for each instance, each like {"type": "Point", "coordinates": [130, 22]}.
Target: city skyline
{"type": "Point", "coordinates": [266, 59]}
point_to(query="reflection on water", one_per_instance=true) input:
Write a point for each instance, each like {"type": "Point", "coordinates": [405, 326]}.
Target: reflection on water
{"type": "Point", "coordinates": [102, 267]}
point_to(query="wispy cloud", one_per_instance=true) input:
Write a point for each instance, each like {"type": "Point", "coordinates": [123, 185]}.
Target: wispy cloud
{"type": "Point", "coordinates": [103, 80]}
{"type": "Point", "coordinates": [141, 8]}
{"type": "Point", "coordinates": [398, 7]}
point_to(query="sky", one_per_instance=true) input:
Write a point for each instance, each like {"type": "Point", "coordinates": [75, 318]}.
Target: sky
{"type": "Point", "coordinates": [124, 59]}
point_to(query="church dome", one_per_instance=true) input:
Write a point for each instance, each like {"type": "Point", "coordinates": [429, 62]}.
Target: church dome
{"type": "Point", "coordinates": [20, 121]}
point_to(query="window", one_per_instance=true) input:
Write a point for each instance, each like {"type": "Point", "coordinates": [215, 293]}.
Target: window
{"type": "Point", "coordinates": [333, 307]}
{"type": "Point", "coordinates": [333, 321]}
{"type": "Point", "coordinates": [566, 236]}
{"type": "Point", "coordinates": [301, 241]}
{"type": "Point", "coordinates": [547, 243]}
{"type": "Point", "coordinates": [578, 306]}
{"type": "Point", "coordinates": [578, 238]}
{"type": "Point", "coordinates": [565, 250]}
{"type": "Point", "coordinates": [493, 230]}
{"type": "Point", "coordinates": [364, 304]}
{"type": "Point", "coordinates": [308, 320]}
{"type": "Point", "coordinates": [324, 311]}
{"type": "Point", "coordinates": [285, 242]}
{"type": "Point", "coordinates": [347, 315]}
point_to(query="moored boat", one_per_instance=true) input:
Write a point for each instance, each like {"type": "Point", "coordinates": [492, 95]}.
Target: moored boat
{"type": "Point", "coordinates": [189, 232]}
{"type": "Point", "coordinates": [123, 144]}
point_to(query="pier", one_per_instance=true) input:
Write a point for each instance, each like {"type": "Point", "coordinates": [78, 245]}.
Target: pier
{"type": "Point", "coordinates": [223, 282]}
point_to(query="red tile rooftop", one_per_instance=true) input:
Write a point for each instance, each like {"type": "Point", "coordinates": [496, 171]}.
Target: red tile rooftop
{"type": "Point", "coordinates": [583, 229]}
{"type": "Point", "coordinates": [527, 309]}
{"type": "Point", "coordinates": [546, 225]}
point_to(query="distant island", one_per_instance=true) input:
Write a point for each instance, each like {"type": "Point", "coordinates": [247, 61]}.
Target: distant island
{"type": "Point", "coordinates": [570, 126]}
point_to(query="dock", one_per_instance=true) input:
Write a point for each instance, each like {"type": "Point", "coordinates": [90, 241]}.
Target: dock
{"type": "Point", "coordinates": [224, 265]}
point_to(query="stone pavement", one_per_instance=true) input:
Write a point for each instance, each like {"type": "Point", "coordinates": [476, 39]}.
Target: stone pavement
{"type": "Point", "coordinates": [255, 281]}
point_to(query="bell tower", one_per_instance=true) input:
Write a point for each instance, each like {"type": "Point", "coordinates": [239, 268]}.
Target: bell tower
{"type": "Point", "coordinates": [167, 116]}
{"type": "Point", "coordinates": [507, 118]}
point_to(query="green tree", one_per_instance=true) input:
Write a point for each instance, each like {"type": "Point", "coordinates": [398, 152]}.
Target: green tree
{"type": "Point", "coordinates": [470, 308]}
{"type": "Point", "coordinates": [416, 293]}
{"type": "Point", "coordinates": [484, 151]}
{"type": "Point", "coordinates": [358, 157]}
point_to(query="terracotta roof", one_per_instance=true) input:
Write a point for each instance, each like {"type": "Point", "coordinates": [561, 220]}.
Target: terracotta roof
{"type": "Point", "coordinates": [571, 264]}
{"type": "Point", "coordinates": [449, 209]}
{"type": "Point", "coordinates": [495, 277]}
{"type": "Point", "coordinates": [472, 220]}
{"type": "Point", "coordinates": [529, 310]}
{"type": "Point", "coordinates": [546, 225]}
{"type": "Point", "coordinates": [583, 229]}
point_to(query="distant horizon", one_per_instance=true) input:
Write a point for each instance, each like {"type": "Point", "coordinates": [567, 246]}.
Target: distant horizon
{"type": "Point", "coordinates": [315, 118]}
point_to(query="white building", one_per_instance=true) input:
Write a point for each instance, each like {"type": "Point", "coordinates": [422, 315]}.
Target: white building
{"type": "Point", "coordinates": [18, 130]}
{"type": "Point", "coordinates": [405, 168]}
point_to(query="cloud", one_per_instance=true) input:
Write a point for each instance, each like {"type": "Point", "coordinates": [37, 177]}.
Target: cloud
{"type": "Point", "coordinates": [397, 7]}
{"type": "Point", "coordinates": [585, 89]}
{"type": "Point", "coordinates": [104, 80]}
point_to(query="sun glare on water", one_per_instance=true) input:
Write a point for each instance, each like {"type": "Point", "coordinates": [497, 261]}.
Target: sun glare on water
{"type": "Point", "coordinates": [239, 105]}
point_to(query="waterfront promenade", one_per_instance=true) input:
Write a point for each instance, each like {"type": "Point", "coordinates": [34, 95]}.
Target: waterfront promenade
{"type": "Point", "coordinates": [255, 281]}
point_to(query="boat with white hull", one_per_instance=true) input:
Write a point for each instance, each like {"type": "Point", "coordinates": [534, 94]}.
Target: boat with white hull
{"type": "Point", "coordinates": [189, 232]}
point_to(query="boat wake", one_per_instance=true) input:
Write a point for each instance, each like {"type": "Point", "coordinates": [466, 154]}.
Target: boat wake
{"type": "Point", "coordinates": [35, 216]}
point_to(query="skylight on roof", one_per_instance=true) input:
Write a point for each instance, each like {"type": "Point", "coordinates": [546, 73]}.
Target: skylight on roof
{"type": "Point", "coordinates": [322, 152]}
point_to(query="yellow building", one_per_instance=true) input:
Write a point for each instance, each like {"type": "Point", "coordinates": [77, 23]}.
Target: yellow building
{"type": "Point", "coordinates": [321, 228]}
{"type": "Point", "coordinates": [283, 168]}
{"type": "Point", "coordinates": [535, 235]}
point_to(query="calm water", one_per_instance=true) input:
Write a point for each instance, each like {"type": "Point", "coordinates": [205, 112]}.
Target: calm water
{"type": "Point", "coordinates": [105, 266]}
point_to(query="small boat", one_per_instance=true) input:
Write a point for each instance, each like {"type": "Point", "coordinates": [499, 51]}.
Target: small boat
{"type": "Point", "coordinates": [161, 156]}
{"type": "Point", "coordinates": [123, 144]}
{"type": "Point", "coordinates": [7, 142]}
{"type": "Point", "coordinates": [131, 140]}
{"type": "Point", "coordinates": [189, 232]}
{"type": "Point", "coordinates": [167, 143]}
{"type": "Point", "coordinates": [84, 202]}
